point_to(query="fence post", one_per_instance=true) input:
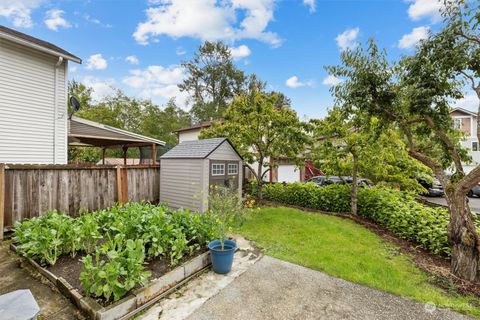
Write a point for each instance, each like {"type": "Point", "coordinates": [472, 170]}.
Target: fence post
{"type": "Point", "coordinates": [2, 198]}
{"type": "Point", "coordinates": [122, 184]}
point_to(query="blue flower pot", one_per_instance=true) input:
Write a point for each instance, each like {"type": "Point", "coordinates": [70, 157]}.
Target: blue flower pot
{"type": "Point", "coordinates": [222, 259]}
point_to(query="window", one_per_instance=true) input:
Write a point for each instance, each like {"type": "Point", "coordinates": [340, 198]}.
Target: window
{"type": "Point", "coordinates": [457, 123]}
{"type": "Point", "coordinates": [218, 169]}
{"type": "Point", "coordinates": [474, 146]}
{"type": "Point", "coordinates": [232, 168]}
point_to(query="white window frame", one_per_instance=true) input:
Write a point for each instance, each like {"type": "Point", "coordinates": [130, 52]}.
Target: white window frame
{"type": "Point", "coordinates": [457, 123]}
{"type": "Point", "coordinates": [232, 165]}
{"type": "Point", "coordinates": [215, 168]}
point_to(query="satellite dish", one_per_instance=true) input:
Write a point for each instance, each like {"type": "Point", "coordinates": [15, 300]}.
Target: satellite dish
{"type": "Point", "coordinates": [74, 104]}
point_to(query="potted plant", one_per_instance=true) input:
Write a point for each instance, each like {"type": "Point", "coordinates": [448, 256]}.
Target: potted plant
{"type": "Point", "coordinates": [227, 207]}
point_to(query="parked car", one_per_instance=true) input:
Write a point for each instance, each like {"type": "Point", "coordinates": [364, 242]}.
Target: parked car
{"type": "Point", "coordinates": [326, 180]}
{"type": "Point", "coordinates": [475, 191]}
{"type": "Point", "coordinates": [434, 188]}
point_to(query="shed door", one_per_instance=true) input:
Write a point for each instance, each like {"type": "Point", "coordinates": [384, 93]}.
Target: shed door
{"type": "Point", "coordinates": [224, 173]}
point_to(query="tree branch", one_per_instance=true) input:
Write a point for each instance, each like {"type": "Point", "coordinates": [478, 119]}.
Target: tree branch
{"type": "Point", "coordinates": [471, 78]}
{"type": "Point", "coordinates": [448, 142]}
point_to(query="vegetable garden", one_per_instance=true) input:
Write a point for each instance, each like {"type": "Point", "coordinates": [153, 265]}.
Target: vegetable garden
{"type": "Point", "coordinates": [118, 248]}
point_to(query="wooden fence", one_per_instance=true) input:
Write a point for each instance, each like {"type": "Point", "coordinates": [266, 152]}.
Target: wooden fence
{"type": "Point", "coordinates": [28, 191]}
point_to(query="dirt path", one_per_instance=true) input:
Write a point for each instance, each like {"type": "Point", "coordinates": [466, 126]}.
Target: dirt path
{"type": "Point", "coordinates": [53, 305]}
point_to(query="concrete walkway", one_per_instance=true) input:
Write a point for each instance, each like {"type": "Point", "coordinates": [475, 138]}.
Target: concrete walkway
{"type": "Point", "coordinates": [274, 289]}
{"type": "Point", "coordinates": [53, 305]}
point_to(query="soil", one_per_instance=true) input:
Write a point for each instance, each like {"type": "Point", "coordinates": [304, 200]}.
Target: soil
{"type": "Point", "coordinates": [70, 268]}
{"type": "Point", "coordinates": [436, 266]}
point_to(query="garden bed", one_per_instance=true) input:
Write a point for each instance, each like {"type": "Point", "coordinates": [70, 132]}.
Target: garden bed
{"type": "Point", "coordinates": [164, 281]}
{"type": "Point", "coordinates": [112, 262]}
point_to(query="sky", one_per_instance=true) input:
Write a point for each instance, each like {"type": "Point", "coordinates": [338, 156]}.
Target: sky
{"type": "Point", "coordinates": [138, 46]}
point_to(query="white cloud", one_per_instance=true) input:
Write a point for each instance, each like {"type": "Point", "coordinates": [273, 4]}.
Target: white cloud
{"type": "Point", "coordinates": [311, 4]}
{"type": "Point", "coordinates": [294, 82]}
{"type": "Point", "coordinates": [240, 52]}
{"type": "Point", "coordinates": [180, 51]}
{"type": "Point", "coordinates": [347, 39]}
{"type": "Point", "coordinates": [411, 39]}
{"type": "Point", "coordinates": [54, 20]}
{"type": "Point", "coordinates": [72, 69]}
{"type": "Point", "coordinates": [331, 80]}
{"type": "Point", "coordinates": [420, 9]}
{"type": "Point", "coordinates": [96, 62]}
{"type": "Point", "coordinates": [156, 82]}
{"type": "Point", "coordinates": [132, 59]}
{"type": "Point", "coordinates": [19, 12]}
{"type": "Point", "coordinates": [101, 87]}
{"type": "Point", "coordinates": [229, 20]}
{"type": "Point", "coordinates": [469, 102]}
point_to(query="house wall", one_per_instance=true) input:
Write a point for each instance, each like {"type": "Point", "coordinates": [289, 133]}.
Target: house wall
{"type": "Point", "coordinates": [189, 135]}
{"type": "Point", "coordinates": [182, 183]}
{"type": "Point", "coordinates": [27, 86]}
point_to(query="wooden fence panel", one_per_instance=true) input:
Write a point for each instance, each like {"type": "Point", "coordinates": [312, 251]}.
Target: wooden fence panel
{"type": "Point", "coordinates": [29, 191]}
{"type": "Point", "coordinates": [143, 184]}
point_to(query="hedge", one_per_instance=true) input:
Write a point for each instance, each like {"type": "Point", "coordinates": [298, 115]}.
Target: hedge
{"type": "Point", "coordinates": [397, 211]}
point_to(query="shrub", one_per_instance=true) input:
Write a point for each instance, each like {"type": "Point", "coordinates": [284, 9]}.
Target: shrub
{"type": "Point", "coordinates": [397, 211]}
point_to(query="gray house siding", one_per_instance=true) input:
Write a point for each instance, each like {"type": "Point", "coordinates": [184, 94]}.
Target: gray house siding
{"type": "Point", "coordinates": [30, 130]}
{"type": "Point", "coordinates": [181, 183]}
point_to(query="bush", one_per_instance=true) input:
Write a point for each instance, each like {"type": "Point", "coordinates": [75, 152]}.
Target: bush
{"type": "Point", "coordinates": [397, 211]}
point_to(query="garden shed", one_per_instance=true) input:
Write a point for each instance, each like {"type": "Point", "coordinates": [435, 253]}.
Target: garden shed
{"type": "Point", "coordinates": [189, 169]}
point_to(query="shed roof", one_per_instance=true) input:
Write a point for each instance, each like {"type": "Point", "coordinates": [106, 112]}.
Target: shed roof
{"type": "Point", "coordinates": [196, 149]}
{"type": "Point", "coordinates": [86, 132]}
{"type": "Point", "coordinates": [36, 43]}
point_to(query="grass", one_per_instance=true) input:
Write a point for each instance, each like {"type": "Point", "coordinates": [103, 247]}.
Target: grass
{"type": "Point", "coordinates": [344, 249]}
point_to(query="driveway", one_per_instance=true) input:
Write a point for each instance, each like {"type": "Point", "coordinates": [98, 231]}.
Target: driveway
{"type": "Point", "coordinates": [274, 289]}
{"type": "Point", "coordinates": [474, 202]}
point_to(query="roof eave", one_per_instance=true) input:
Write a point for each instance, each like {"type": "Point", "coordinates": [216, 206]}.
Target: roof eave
{"type": "Point", "coordinates": [39, 47]}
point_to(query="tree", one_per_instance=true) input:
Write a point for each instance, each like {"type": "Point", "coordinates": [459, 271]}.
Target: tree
{"type": "Point", "coordinates": [353, 144]}
{"type": "Point", "coordinates": [261, 129]}
{"type": "Point", "coordinates": [213, 80]}
{"type": "Point", "coordinates": [415, 96]}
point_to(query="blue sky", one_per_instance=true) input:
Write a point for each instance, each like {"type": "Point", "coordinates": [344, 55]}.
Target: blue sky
{"type": "Point", "coordinates": [138, 46]}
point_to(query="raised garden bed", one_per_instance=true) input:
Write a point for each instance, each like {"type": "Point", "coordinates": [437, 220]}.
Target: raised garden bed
{"type": "Point", "coordinates": [114, 262]}
{"type": "Point", "coordinates": [135, 301]}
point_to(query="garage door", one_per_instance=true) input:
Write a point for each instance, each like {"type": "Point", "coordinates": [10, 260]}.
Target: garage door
{"type": "Point", "coordinates": [288, 173]}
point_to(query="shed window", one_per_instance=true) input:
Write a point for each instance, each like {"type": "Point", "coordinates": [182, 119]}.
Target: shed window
{"type": "Point", "coordinates": [474, 146]}
{"type": "Point", "coordinates": [218, 169]}
{"type": "Point", "coordinates": [232, 168]}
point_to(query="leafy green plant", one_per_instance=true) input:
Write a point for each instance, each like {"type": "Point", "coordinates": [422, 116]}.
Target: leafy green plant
{"type": "Point", "coordinates": [227, 208]}
{"type": "Point", "coordinates": [46, 238]}
{"type": "Point", "coordinates": [118, 267]}
{"type": "Point", "coordinates": [396, 210]}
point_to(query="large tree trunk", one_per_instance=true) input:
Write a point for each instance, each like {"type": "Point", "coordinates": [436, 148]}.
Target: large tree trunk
{"type": "Point", "coordinates": [463, 237]}
{"type": "Point", "coordinates": [354, 187]}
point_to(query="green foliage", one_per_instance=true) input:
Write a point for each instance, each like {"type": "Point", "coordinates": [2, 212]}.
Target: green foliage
{"type": "Point", "coordinates": [46, 238]}
{"type": "Point", "coordinates": [397, 211]}
{"type": "Point", "coordinates": [261, 125]}
{"type": "Point", "coordinates": [121, 238]}
{"type": "Point", "coordinates": [227, 208]}
{"type": "Point", "coordinates": [213, 80]}
{"type": "Point", "coordinates": [347, 250]}
{"type": "Point", "coordinates": [118, 267]}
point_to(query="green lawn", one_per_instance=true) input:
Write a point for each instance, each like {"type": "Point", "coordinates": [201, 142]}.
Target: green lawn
{"type": "Point", "coordinates": [347, 250]}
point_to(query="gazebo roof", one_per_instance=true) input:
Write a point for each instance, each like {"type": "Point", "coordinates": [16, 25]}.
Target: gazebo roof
{"type": "Point", "coordinates": [83, 132]}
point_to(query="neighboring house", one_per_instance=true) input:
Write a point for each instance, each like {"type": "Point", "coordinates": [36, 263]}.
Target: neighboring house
{"type": "Point", "coordinates": [191, 133]}
{"type": "Point", "coordinates": [466, 121]}
{"type": "Point", "coordinates": [33, 99]}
